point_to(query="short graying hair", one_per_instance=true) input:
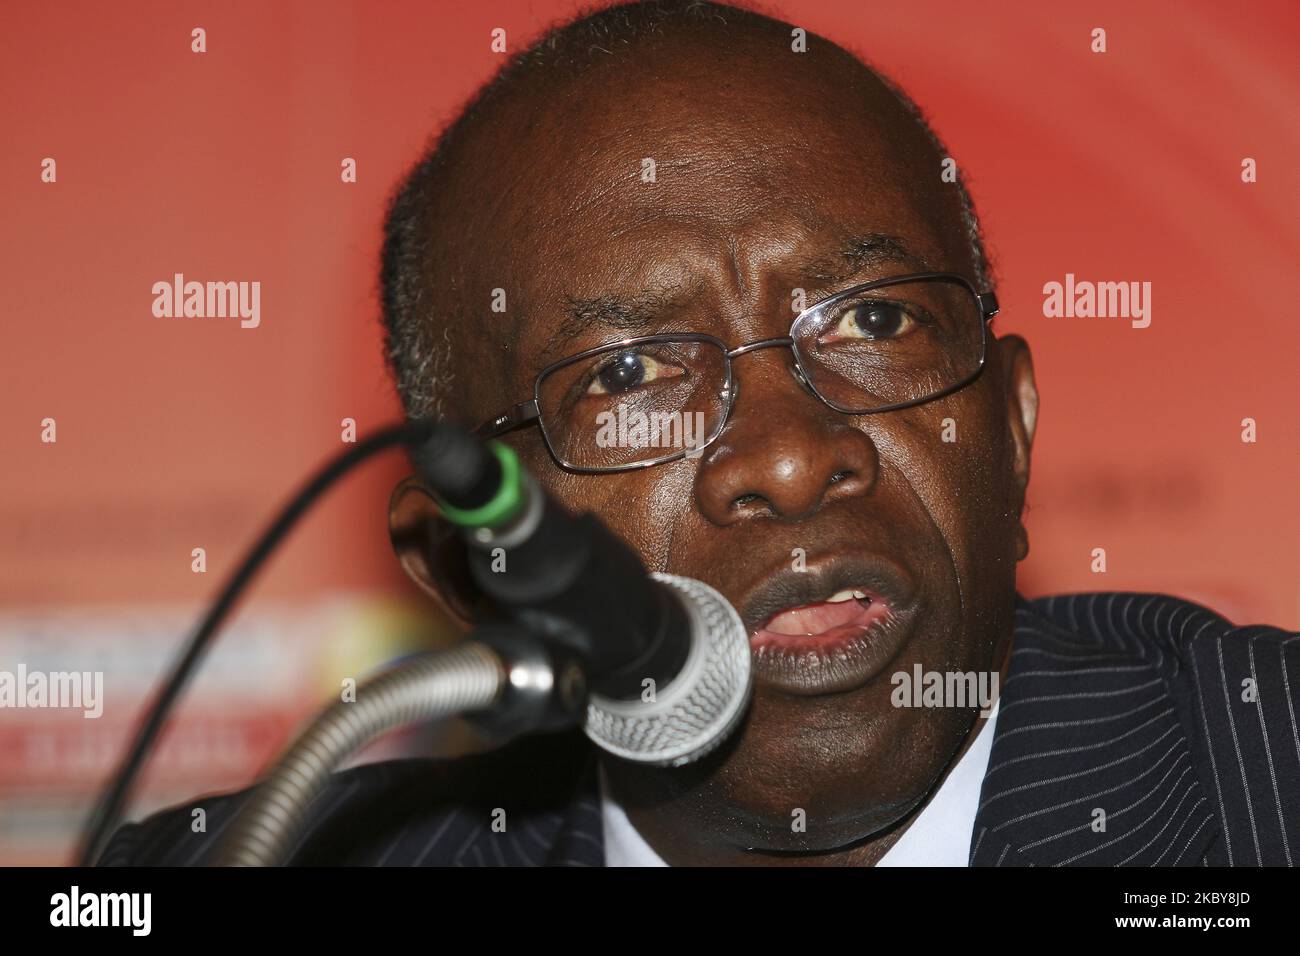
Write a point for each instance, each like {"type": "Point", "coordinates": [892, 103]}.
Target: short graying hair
{"type": "Point", "coordinates": [417, 348]}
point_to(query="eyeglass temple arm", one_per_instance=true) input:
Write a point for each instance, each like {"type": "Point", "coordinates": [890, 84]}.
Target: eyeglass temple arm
{"type": "Point", "coordinates": [510, 419]}
{"type": "Point", "coordinates": [988, 304]}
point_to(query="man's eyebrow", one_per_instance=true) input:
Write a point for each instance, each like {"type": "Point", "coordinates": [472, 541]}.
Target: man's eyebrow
{"type": "Point", "coordinates": [632, 313]}
{"type": "Point", "coordinates": [864, 253]}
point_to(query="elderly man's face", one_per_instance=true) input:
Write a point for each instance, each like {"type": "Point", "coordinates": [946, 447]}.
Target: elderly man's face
{"type": "Point", "coordinates": [765, 161]}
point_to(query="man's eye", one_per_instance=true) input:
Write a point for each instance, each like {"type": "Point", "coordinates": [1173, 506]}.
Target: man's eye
{"type": "Point", "coordinates": [630, 370]}
{"type": "Point", "coordinates": [870, 320]}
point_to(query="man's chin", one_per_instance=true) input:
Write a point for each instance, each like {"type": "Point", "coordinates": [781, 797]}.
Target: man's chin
{"type": "Point", "coordinates": [811, 776]}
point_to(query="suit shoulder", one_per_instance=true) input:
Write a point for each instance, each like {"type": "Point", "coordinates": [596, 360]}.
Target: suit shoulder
{"type": "Point", "coordinates": [1111, 617]}
{"type": "Point", "coordinates": [1142, 624]}
{"type": "Point", "coordinates": [186, 833]}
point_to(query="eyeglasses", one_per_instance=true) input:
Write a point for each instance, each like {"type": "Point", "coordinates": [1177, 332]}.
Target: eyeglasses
{"type": "Point", "coordinates": [643, 401]}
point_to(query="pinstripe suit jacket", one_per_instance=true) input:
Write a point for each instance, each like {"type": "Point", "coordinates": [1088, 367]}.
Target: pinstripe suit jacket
{"type": "Point", "coordinates": [1134, 729]}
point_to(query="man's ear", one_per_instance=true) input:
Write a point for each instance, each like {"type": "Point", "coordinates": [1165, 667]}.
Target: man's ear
{"type": "Point", "coordinates": [431, 551]}
{"type": "Point", "coordinates": [1022, 414]}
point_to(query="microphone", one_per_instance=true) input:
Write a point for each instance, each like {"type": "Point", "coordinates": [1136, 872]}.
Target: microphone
{"type": "Point", "coordinates": [666, 658]}
{"type": "Point", "coordinates": [661, 661]}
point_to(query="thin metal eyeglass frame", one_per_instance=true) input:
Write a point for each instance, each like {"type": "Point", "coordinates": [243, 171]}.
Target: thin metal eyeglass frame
{"type": "Point", "coordinates": [524, 413]}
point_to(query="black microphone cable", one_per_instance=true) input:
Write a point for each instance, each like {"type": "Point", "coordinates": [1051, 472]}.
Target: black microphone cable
{"type": "Point", "coordinates": [417, 434]}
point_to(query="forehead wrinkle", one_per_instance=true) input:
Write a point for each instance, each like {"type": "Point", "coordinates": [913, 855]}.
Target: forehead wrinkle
{"type": "Point", "coordinates": [738, 162]}
{"type": "Point", "coordinates": [578, 202]}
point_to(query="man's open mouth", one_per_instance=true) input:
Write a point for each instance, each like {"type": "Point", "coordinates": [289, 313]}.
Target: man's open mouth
{"type": "Point", "coordinates": [811, 634]}
{"type": "Point", "coordinates": [842, 615]}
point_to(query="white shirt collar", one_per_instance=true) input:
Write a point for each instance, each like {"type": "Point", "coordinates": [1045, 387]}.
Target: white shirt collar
{"type": "Point", "coordinates": [939, 836]}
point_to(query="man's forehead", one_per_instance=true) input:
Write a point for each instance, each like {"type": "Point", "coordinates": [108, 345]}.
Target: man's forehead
{"type": "Point", "coordinates": [635, 163]}
{"type": "Point", "coordinates": [732, 116]}
{"type": "Point", "coordinates": [612, 167]}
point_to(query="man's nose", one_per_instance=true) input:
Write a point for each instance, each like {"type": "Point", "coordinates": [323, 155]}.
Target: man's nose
{"type": "Point", "coordinates": [784, 453]}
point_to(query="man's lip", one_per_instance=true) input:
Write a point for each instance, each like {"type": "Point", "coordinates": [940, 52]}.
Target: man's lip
{"type": "Point", "coordinates": [881, 580]}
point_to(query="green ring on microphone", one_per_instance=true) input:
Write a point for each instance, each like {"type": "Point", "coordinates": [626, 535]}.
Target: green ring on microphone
{"type": "Point", "coordinates": [504, 505]}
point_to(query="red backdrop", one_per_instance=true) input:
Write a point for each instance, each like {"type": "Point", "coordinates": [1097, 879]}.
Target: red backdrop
{"type": "Point", "coordinates": [225, 164]}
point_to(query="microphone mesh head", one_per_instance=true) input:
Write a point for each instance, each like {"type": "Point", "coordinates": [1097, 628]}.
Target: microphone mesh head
{"type": "Point", "coordinates": [696, 711]}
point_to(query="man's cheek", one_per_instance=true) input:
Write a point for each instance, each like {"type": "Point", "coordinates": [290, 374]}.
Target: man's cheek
{"type": "Point", "coordinates": [943, 452]}
{"type": "Point", "coordinates": [968, 452]}
{"type": "Point", "coordinates": [607, 497]}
